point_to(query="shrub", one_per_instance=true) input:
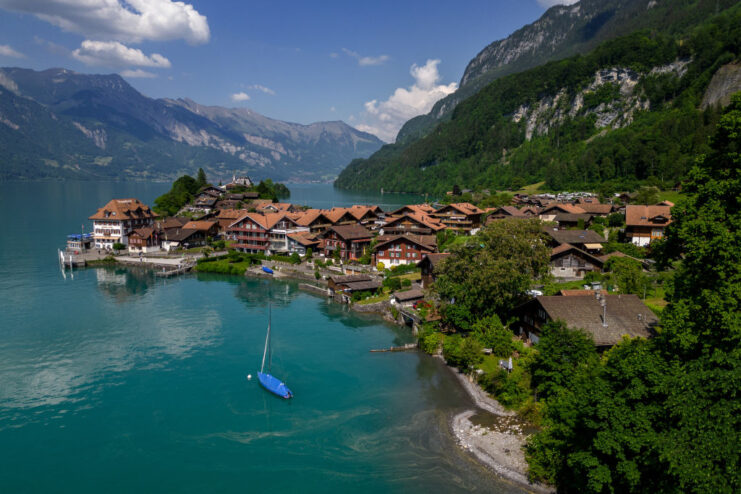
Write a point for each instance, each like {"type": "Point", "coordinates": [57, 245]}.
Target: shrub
{"type": "Point", "coordinates": [380, 266]}
{"type": "Point", "coordinates": [392, 283]}
{"type": "Point", "coordinates": [118, 246]}
{"type": "Point", "coordinates": [464, 353]}
{"type": "Point", "coordinates": [430, 341]}
{"type": "Point", "coordinates": [309, 253]}
{"type": "Point", "coordinates": [491, 333]}
{"type": "Point", "coordinates": [615, 220]}
{"type": "Point", "coordinates": [295, 258]}
{"type": "Point", "coordinates": [406, 283]}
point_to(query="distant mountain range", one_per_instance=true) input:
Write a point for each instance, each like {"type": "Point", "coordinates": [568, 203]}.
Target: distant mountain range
{"type": "Point", "coordinates": [58, 123]}
{"type": "Point", "coordinates": [601, 90]}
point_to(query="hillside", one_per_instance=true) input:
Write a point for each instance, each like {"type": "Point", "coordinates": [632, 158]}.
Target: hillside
{"type": "Point", "coordinates": [61, 124]}
{"type": "Point", "coordinates": [504, 131]}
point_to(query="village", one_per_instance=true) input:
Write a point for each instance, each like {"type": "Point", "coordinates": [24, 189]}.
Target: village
{"type": "Point", "coordinates": [387, 261]}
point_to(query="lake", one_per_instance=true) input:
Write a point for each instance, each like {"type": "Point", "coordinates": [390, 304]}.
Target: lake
{"type": "Point", "coordinates": [112, 380]}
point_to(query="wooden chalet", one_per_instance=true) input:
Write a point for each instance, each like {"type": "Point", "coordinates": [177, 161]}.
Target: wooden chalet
{"type": "Point", "coordinates": [251, 233]}
{"type": "Point", "coordinates": [606, 318]}
{"type": "Point", "coordinates": [351, 241]}
{"type": "Point", "coordinates": [207, 227]}
{"type": "Point", "coordinates": [569, 262]}
{"type": "Point", "coordinates": [394, 250]}
{"type": "Point", "coordinates": [586, 240]}
{"type": "Point", "coordinates": [572, 220]}
{"type": "Point", "coordinates": [313, 219]}
{"type": "Point", "coordinates": [411, 223]}
{"type": "Point", "coordinates": [407, 297]}
{"type": "Point", "coordinates": [144, 240]}
{"type": "Point", "coordinates": [644, 224]}
{"type": "Point", "coordinates": [550, 212]}
{"type": "Point", "coordinates": [461, 216]}
{"type": "Point", "coordinates": [505, 212]}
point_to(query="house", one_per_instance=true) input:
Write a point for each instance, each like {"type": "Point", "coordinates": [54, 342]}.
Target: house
{"type": "Point", "coordinates": [504, 212]}
{"type": "Point", "coordinates": [411, 223]}
{"type": "Point", "coordinates": [428, 265]}
{"type": "Point", "coordinates": [265, 233]}
{"type": "Point", "coordinates": [181, 237]}
{"type": "Point", "coordinates": [334, 282]}
{"type": "Point", "coordinates": [423, 209]}
{"type": "Point", "coordinates": [572, 263]}
{"type": "Point", "coordinates": [209, 228]}
{"type": "Point", "coordinates": [549, 212]}
{"type": "Point", "coordinates": [250, 233]}
{"type": "Point", "coordinates": [573, 220]}
{"type": "Point", "coordinates": [594, 207]}
{"type": "Point", "coordinates": [407, 298]}
{"type": "Point", "coordinates": [346, 285]}
{"type": "Point", "coordinates": [144, 240]}
{"type": "Point", "coordinates": [461, 216]}
{"type": "Point", "coordinates": [301, 242]}
{"type": "Point", "coordinates": [113, 222]}
{"type": "Point", "coordinates": [644, 224]}
{"type": "Point", "coordinates": [606, 318]}
{"type": "Point", "coordinates": [203, 204]}
{"type": "Point", "coordinates": [243, 181]}
{"type": "Point", "coordinates": [313, 219]}
{"type": "Point", "coordinates": [228, 216]}
{"type": "Point", "coordinates": [586, 240]}
{"type": "Point", "coordinates": [394, 250]}
{"type": "Point", "coordinates": [351, 240]}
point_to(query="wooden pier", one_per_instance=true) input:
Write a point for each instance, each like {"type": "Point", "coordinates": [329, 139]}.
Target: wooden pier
{"type": "Point", "coordinates": [405, 348]}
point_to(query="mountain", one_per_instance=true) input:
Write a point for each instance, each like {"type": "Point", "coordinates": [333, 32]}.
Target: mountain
{"type": "Point", "coordinates": [58, 123]}
{"type": "Point", "coordinates": [489, 138]}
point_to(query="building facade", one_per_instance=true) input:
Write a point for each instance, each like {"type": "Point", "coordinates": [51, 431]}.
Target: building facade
{"type": "Point", "coordinates": [116, 220]}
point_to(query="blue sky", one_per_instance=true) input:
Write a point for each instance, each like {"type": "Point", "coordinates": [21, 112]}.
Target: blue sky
{"type": "Point", "coordinates": [371, 64]}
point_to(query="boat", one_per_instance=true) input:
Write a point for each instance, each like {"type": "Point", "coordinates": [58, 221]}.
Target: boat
{"type": "Point", "coordinates": [267, 270]}
{"type": "Point", "coordinates": [268, 381]}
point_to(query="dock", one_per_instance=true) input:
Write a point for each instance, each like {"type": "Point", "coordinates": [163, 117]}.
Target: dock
{"type": "Point", "coordinates": [404, 348]}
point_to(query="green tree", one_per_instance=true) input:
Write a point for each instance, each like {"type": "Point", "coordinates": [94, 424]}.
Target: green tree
{"type": "Point", "coordinates": [491, 333]}
{"type": "Point", "coordinates": [490, 273]}
{"type": "Point", "coordinates": [201, 178]}
{"type": "Point", "coordinates": [118, 246]}
{"type": "Point", "coordinates": [647, 195]}
{"type": "Point", "coordinates": [463, 353]}
{"type": "Point", "coordinates": [628, 274]}
{"type": "Point", "coordinates": [562, 353]}
{"type": "Point", "coordinates": [309, 253]}
{"type": "Point", "coordinates": [295, 258]}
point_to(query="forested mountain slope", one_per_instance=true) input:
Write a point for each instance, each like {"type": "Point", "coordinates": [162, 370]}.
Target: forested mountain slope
{"type": "Point", "coordinates": [628, 110]}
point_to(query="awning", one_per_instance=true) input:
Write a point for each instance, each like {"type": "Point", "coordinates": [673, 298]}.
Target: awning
{"type": "Point", "coordinates": [593, 246]}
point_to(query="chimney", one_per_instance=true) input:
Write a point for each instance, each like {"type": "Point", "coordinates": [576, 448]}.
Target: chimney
{"type": "Point", "coordinates": [603, 303]}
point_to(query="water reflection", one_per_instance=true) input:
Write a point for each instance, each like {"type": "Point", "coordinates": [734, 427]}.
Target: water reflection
{"type": "Point", "coordinates": [123, 284]}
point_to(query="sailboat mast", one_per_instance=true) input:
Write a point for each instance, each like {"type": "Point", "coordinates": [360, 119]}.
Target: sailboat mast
{"type": "Point", "coordinates": [267, 339]}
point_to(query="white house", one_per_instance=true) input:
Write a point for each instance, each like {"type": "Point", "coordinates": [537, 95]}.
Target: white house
{"type": "Point", "coordinates": [116, 220]}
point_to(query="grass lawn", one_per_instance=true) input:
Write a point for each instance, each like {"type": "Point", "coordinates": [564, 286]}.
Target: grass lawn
{"type": "Point", "coordinates": [374, 300]}
{"type": "Point", "coordinates": [530, 189]}
{"type": "Point", "coordinates": [490, 364]}
{"type": "Point", "coordinates": [669, 195]}
{"type": "Point", "coordinates": [223, 266]}
{"type": "Point", "coordinates": [411, 276]}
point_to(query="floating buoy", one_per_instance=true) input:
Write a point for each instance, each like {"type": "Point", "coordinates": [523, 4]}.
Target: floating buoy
{"type": "Point", "coordinates": [249, 377]}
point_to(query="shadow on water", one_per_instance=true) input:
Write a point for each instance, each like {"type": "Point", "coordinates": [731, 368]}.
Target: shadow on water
{"type": "Point", "coordinates": [254, 292]}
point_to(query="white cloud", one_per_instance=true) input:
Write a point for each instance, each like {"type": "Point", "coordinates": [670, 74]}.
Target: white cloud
{"type": "Point", "coordinates": [364, 61]}
{"type": "Point", "coordinates": [7, 51]}
{"type": "Point", "coordinates": [385, 118]}
{"type": "Point", "coordinates": [550, 3]}
{"type": "Point", "coordinates": [261, 88]}
{"type": "Point", "coordinates": [138, 73]}
{"type": "Point", "coordinates": [242, 96]}
{"type": "Point", "coordinates": [115, 54]}
{"type": "Point", "coordinates": [126, 20]}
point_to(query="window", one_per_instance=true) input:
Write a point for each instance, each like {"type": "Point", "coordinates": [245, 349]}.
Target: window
{"type": "Point", "coordinates": [380, 252]}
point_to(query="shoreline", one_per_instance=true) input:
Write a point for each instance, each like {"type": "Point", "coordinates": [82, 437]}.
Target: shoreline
{"type": "Point", "coordinates": [499, 447]}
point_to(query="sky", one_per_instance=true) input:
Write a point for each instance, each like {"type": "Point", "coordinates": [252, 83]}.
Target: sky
{"type": "Point", "coordinates": [373, 65]}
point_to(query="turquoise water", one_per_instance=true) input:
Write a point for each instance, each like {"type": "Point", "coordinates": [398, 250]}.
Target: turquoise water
{"type": "Point", "coordinates": [115, 381]}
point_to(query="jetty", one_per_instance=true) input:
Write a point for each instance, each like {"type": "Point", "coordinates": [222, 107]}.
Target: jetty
{"type": "Point", "coordinates": [403, 348]}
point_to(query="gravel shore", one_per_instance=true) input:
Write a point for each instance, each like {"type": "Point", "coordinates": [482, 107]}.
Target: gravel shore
{"type": "Point", "coordinates": [499, 445]}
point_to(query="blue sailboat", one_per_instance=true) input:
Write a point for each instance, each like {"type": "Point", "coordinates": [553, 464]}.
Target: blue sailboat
{"type": "Point", "coordinates": [269, 382]}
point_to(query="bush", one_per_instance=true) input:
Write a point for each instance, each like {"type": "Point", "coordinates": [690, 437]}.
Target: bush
{"type": "Point", "coordinates": [295, 258]}
{"type": "Point", "coordinates": [317, 275]}
{"type": "Point", "coordinates": [406, 283]}
{"type": "Point", "coordinates": [392, 284]}
{"type": "Point", "coordinates": [118, 246]}
{"type": "Point", "coordinates": [430, 341]}
{"type": "Point", "coordinates": [491, 333]}
{"type": "Point", "coordinates": [464, 353]}
{"type": "Point", "coordinates": [309, 253]}
{"type": "Point", "coordinates": [616, 220]}
{"type": "Point", "coordinates": [380, 266]}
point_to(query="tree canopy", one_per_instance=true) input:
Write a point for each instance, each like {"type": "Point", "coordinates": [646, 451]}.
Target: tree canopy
{"type": "Point", "coordinates": [491, 271]}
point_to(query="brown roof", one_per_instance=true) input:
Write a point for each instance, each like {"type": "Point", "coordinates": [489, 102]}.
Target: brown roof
{"type": "Point", "coordinates": [351, 232]}
{"type": "Point", "coordinates": [596, 208]}
{"type": "Point", "coordinates": [422, 219]}
{"type": "Point", "coordinates": [428, 242]}
{"type": "Point", "coordinates": [566, 208]}
{"type": "Point", "coordinates": [356, 286]}
{"type": "Point", "coordinates": [304, 238]}
{"type": "Point", "coordinates": [200, 225]}
{"type": "Point", "coordinates": [572, 217]}
{"type": "Point", "coordinates": [575, 236]}
{"type": "Point", "coordinates": [507, 211]}
{"type": "Point", "coordinates": [349, 278]}
{"type": "Point", "coordinates": [414, 208]}
{"type": "Point", "coordinates": [179, 234]}
{"type": "Point", "coordinates": [413, 294]}
{"type": "Point", "coordinates": [463, 207]}
{"type": "Point", "coordinates": [626, 315]}
{"type": "Point", "coordinates": [564, 248]}
{"type": "Point", "coordinates": [145, 232]}
{"type": "Point", "coordinates": [172, 222]}
{"type": "Point", "coordinates": [306, 218]}
{"type": "Point", "coordinates": [574, 293]}
{"type": "Point", "coordinates": [648, 215]}
{"type": "Point", "coordinates": [123, 209]}
{"type": "Point", "coordinates": [434, 259]}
